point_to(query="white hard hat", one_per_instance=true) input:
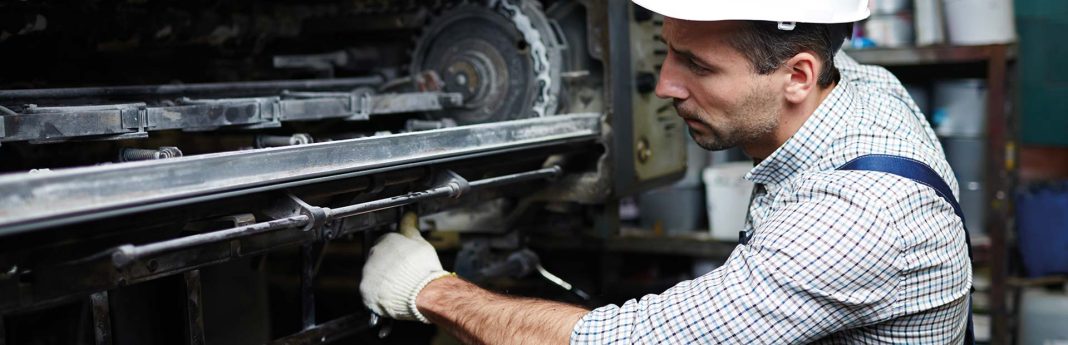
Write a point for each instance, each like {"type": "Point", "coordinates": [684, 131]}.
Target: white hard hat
{"type": "Point", "coordinates": [783, 11]}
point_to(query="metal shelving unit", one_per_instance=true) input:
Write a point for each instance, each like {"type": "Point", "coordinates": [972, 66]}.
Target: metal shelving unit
{"type": "Point", "coordinates": [1001, 172]}
{"type": "Point", "coordinates": [931, 55]}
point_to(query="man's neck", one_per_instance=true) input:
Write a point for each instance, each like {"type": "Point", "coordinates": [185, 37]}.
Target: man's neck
{"type": "Point", "coordinates": [793, 117]}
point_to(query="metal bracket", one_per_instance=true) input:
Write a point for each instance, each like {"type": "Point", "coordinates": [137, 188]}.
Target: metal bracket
{"type": "Point", "coordinates": [319, 218]}
{"type": "Point", "coordinates": [318, 215]}
{"type": "Point", "coordinates": [101, 305]}
{"type": "Point", "coordinates": [359, 102]}
{"type": "Point", "coordinates": [457, 184]}
{"type": "Point", "coordinates": [132, 118]}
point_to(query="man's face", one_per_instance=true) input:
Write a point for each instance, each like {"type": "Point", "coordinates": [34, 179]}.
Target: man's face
{"type": "Point", "coordinates": [723, 100]}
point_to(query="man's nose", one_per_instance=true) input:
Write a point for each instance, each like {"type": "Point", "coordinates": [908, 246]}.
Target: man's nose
{"type": "Point", "coordinates": [670, 84]}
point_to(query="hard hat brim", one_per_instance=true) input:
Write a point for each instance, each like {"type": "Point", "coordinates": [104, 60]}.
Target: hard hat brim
{"type": "Point", "coordinates": [833, 11]}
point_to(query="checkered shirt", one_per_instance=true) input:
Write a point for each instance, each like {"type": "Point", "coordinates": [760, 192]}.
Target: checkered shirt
{"type": "Point", "coordinates": [834, 257]}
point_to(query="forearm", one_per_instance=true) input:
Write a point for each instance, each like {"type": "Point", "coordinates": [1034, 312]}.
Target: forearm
{"type": "Point", "coordinates": [477, 316]}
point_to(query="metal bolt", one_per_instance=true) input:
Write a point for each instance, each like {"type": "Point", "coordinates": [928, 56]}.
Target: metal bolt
{"type": "Point", "coordinates": [263, 141]}
{"type": "Point", "coordinates": [415, 125]}
{"type": "Point", "coordinates": [643, 150]}
{"type": "Point", "coordinates": [132, 154]}
{"type": "Point", "coordinates": [169, 152]}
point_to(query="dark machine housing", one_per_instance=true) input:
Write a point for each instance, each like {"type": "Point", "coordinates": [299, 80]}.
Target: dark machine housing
{"type": "Point", "coordinates": [213, 171]}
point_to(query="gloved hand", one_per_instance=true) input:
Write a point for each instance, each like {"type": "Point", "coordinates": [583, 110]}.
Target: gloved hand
{"type": "Point", "coordinates": [398, 267]}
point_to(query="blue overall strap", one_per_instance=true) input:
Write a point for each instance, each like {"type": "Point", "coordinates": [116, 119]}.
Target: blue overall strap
{"type": "Point", "coordinates": [920, 173]}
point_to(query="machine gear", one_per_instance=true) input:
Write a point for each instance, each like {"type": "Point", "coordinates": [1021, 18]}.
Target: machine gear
{"type": "Point", "coordinates": [503, 57]}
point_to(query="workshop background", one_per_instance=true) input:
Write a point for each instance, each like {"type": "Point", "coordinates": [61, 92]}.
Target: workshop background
{"type": "Point", "coordinates": [214, 172]}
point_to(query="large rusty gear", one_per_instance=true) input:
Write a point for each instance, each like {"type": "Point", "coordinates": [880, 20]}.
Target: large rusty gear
{"type": "Point", "coordinates": [503, 57]}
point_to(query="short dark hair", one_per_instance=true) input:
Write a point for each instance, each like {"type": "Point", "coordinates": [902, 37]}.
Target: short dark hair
{"type": "Point", "coordinates": [767, 47]}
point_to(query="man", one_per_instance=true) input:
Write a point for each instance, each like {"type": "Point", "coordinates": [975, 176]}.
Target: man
{"type": "Point", "coordinates": [827, 255]}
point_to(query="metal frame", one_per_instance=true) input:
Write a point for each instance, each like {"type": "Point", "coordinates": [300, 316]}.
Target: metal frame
{"type": "Point", "coordinates": [621, 79]}
{"type": "Point", "coordinates": [60, 197]}
{"type": "Point", "coordinates": [135, 120]}
{"type": "Point", "coordinates": [185, 89]}
{"type": "Point", "coordinates": [1001, 178]}
{"type": "Point", "coordinates": [97, 274]}
{"type": "Point", "coordinates": [1001, 170]}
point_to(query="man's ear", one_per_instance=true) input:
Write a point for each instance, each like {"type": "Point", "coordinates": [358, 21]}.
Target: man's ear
{"type": "Point", "coordinates": [803, 70]}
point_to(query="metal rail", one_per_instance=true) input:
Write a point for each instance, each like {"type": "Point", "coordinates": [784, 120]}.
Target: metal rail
{"type": "Point", "coordinates": [134, 120]}
{"type": "Point", "coordinates": [181, 89]}
{"type": "Point", "coordinates": [38, 200]}
{"type": "Point", "coordinates": [328, 332]}
{"type": "Point", "coordinates": [124, 255]}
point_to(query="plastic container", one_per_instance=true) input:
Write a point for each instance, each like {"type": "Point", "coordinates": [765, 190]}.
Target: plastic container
{"type": "Point", "coordinates": [674, 209]}
{"type": "Point", "coordinates": [967, 158]}
{"type": "Point", "coordinates": [696, 161]}
{"type": "Point", "coordinates": [960, 108]}
{"type": "Point", "coordinates": [1042, 229]}
{"type": "Point", "coordinates": [727, 195]}
{"type": "Point", "coordinates": [977, 22]}
{"type": "Point", "coordinates": [890, 30]}
{"type": "Point", "coordinates": [889, 6]}
{"type": "Point", "coordinates": [1043, 317]}
{"type": "Point", "coordinates": [929, 27]}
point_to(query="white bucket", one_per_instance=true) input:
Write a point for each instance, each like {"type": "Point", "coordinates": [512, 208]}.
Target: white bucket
{"type": "Point", "coordinates": [889, 6]}
{"type": "Point", "coordinates": [977, 22]}
{"type": "Point", "coordinates": [727, 198]}
{"type": "Point", "coordinates": [890, 30]}
{"type": "Point", "coordinates": [929, 28]}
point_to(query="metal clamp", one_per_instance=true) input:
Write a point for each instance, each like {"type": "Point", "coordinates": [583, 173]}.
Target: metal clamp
{"type": "Point", "coordinates": [456, 184]}
{"type": "Point", "coordinates": [359, 102]}
{"type": "Point", "coordinates": [317, 216]}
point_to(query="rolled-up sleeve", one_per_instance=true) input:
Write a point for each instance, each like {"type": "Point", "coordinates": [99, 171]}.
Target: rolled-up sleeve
{"type": "Point", "coordinates": [824, 260]}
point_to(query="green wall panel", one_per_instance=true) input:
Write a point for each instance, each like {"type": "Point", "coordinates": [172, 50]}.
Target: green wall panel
{"type": "Point", "coordinates": [1042, 65]}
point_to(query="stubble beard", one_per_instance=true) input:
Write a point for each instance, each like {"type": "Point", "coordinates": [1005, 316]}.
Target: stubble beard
{"type": "Point", "coordinates": [755, 118]}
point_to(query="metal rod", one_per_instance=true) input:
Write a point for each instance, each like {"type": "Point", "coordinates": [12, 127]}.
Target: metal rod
{"type": "Point", "coordinates": [309, 255]}
{"type": "Point", "coordinates": [193, 307]}
{"type": "Point", "coordinates": [327, 332]}
{"type": "Point", "coordinates": [411, 198]}
{"type": "Point", "coordinates": [264, 140]}
{"type": "Point", "coordinates": [381, 204]}
{"type": "Point", "coordinates": [126, 254]}
{"type": "Point", "coordinates": [101, 317]}
{"type": "Point", "coordinates": [550, 173]}
{"type": "Point", "coordinates": [167, 90]}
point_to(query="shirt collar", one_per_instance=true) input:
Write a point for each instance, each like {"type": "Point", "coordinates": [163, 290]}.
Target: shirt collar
{"type": "Point", "coordinates": [806, 147]}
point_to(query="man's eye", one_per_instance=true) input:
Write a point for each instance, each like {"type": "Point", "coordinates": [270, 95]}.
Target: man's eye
{"type": "Point", "coordinates": [696, 68]}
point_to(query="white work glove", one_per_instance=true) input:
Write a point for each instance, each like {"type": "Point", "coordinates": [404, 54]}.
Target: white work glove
{"type": "Point", "coordinates": [398, 267]}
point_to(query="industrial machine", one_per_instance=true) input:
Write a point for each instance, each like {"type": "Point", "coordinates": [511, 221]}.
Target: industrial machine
{"type": "Point", "coordinates": [214, 171]}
